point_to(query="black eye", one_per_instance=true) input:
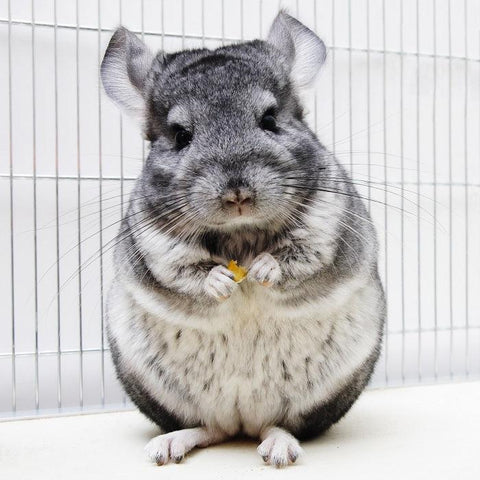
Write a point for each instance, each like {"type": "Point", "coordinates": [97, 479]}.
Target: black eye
{"type": "Point", "coordinates": [268, 121]}
{"type": "Point", "coordinates": [182, 138]}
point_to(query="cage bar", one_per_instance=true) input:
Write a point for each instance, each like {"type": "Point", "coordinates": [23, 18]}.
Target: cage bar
{"type": "Point", "coordinates": [397, 103]}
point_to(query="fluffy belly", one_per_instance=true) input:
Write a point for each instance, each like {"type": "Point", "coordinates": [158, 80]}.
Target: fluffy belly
{"type": "Point", "coordinates": [258, 367]}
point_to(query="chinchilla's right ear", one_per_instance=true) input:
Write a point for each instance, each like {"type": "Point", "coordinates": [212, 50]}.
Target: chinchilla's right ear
{"type": "Point", "coordinates": [124, 69]}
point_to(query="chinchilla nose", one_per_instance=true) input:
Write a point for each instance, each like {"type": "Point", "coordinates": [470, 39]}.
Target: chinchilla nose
{"type": "Point", "coordinates": [237, 197]}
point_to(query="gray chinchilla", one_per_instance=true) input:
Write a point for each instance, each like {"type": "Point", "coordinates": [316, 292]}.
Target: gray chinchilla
{"type": "Point", "coordinates": [234, 173]}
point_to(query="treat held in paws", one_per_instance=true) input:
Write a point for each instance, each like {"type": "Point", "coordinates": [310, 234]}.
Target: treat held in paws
{"type": "Point", "coordinates": [239, 272]}
{"type": "Point", "coordinates": [279, 344]}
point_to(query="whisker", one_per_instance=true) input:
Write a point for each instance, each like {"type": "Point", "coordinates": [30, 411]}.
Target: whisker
{"type": "Point", "coordinates": [144, 223]}
{"type": "Point", "coordinates": [77, 245]}
{"type": "Point", "coordinates": [366, 199]}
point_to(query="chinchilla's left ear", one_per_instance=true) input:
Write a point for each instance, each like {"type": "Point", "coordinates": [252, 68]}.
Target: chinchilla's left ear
{"type": "Point", "coordinates": [305, 52]}
{"type": "Point", "coordinates": [124, 69]}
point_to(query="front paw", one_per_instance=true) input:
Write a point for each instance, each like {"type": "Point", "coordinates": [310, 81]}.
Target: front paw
{"type": "Point", "coordinates": [219, 283]}
{"type": "Point", "coordinates": [265, 270]}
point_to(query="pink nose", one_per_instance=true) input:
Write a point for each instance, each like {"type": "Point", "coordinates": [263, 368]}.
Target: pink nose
{"type": "Point", "coordinates": [238, 197]}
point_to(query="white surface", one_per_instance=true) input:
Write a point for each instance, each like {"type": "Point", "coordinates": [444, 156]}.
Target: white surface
{"type": "Point", "coordinates": [410, 433]}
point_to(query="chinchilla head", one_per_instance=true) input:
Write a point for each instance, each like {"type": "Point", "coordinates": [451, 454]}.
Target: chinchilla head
{"type": "Point", "coordinates": [229, 146]}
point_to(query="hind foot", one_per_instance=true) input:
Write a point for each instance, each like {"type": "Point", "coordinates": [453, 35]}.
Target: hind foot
{"type": "Point", "coordinates": [175, 445]}
{"type": "Point", "coordinates": [278, 448]}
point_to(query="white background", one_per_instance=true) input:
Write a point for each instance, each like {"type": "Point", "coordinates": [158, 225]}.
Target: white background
{"type": "Point", "coordinates": [398, 101]}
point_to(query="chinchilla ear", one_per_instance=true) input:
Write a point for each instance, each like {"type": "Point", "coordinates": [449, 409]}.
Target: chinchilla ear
{"type": "Point", "coordinates": [124, 69]}
{"type": "Point", "coordinates": [305, 52]}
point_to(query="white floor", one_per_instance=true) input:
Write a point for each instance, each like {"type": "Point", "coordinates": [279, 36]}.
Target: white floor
{"type": "Point", "coordinates": [430, 432]}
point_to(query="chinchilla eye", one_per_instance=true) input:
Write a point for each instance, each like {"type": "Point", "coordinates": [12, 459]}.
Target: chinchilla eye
{"type": "Point", "coordinates": [182, 138]}
{"type": "Point", "coordinates": [268, 121]}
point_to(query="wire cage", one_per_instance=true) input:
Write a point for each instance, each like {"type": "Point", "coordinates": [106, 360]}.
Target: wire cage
{"type": "Point", "coordinates": [397, 101]}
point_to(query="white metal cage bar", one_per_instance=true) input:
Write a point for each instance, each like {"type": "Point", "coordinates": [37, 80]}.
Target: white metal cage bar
{"type": "Point", "coordinates": [398, 102]}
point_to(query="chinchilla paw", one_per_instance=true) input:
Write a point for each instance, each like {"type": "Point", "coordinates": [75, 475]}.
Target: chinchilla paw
{"type": "Point", "coordinates": [279, 448]}
{"type": "Point", "coordinates": [265, 270]}
{"type": "Point", "coordinates": [219, 283]}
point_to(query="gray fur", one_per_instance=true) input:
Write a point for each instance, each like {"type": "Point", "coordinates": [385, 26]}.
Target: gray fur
{"type": "Point", "coordinates": [295, 355]}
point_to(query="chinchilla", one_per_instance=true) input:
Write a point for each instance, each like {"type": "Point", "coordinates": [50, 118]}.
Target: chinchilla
{"type": "Point", "coordinates": [234, 173]}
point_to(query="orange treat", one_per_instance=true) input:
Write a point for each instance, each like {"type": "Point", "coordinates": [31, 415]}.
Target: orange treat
{"type": "Point", "coordinates": [239, 272]}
